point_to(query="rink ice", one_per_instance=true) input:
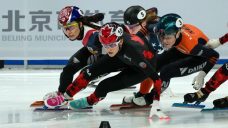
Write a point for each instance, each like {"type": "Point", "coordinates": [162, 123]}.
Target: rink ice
{"type": "Point", "coordinates": [19, 88]}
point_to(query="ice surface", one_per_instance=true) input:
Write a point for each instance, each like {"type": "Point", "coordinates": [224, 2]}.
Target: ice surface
{"type": "Point", "coordinates": [19, 88]}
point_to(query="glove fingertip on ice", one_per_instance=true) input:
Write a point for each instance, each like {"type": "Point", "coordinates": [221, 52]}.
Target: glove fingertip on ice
{"type": "Point", "coordinates": [165, 118]}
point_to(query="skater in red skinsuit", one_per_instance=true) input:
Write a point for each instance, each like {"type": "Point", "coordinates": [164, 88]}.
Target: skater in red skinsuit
{"type": "Point", "coordinates": [219, 77]}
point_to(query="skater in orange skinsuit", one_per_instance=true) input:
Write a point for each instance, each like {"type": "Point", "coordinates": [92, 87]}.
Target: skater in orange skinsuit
{"type": "Point", "coordinates": [186, 53]}
{"type": "Point", "coordinates": [185, 47]}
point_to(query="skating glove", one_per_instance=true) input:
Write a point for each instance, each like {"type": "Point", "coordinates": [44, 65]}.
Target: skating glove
{"type": "Point", "coordinates": [213, 43]}
{"type": "Point", "coordinates": [156, 111]}
{"type": "Point", "coordinates": [51, 95]}
{"type": "Point", "coordinates": [198, 81]}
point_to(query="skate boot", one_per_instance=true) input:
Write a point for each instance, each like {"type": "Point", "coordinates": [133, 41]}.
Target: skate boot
{"type": "Point", "coordinates": [79, 104]}
{"type": "Point", "coordinates": [129, 99]}
{"type": "Point", "coordinates": [56, 101]}
{"type": "Point", "coordinates": [221, 103]}
{"type": "Point", "coordinates": [144, 100]}
{"type": "Point", "coordinates": [196, 97]}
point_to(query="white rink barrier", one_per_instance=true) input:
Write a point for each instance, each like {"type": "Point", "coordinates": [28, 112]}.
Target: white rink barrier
{"type": "Point", "coordinates": [29, 29]}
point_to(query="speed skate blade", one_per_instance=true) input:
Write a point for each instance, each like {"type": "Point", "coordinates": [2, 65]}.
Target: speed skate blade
{"type": "Point", "coordinates": [127, 106]}
{"type": "Point", "coordinates": [63, 108]}
{"type": "Point", "coordinates": [38, 103]}
{"type": "Point", "coordinates": [214, 109]}
{"type": "Point", "coordinates": [51, 109]}
{"type": "Point", "coordinates": [184, 105]}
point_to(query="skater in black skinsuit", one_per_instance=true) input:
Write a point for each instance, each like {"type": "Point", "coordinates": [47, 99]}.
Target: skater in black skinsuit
{"type": "Point", "coordinates": [141, 22]}
{"type": "Point", "coordinates": [126, 52]}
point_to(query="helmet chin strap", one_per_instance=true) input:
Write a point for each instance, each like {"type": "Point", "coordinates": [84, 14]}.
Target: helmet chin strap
{"type": "Point", "coordinates": [140, 23]}
{"type": "Point", "coordinates": [120, 45]}
{"type": "Point", "coordinates": [142, 27]}
{"type": "Point", "coordinates": [81, 34]}
{"type": "Point", "coordinates": [176, 36]}
{"type": "Point", "coordinates": [178, 39]}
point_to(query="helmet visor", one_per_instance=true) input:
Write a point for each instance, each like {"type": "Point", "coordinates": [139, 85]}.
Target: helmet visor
{"type": "Point", "coordinates": [111, 45]}
{"type": "Point", "coordinates": [70, 26]}
{"type": "Point", "coordinates": [167, 40]}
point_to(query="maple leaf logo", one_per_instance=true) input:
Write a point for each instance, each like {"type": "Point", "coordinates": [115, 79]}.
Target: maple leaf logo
{"type": "Point", "coordinates": [106, 31]}
{"type": "Point", "coordinates": [107, 36]}
{"type": "Point", "coordinates": [148, 54]}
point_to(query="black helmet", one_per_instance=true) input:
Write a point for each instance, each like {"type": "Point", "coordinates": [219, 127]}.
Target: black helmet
{"type": "Point", "coordinates": [134, 15]}
{"type": "Point", "coordinates": [169, 24]}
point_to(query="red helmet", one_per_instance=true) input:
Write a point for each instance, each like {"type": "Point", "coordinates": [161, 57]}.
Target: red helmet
{"type": "Point", "coordinates": [110, 33]}
{"type": "Point", "coordinates": [69, 14]}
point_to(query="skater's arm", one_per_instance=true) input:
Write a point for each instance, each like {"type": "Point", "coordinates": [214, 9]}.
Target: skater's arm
{"type": "Point", "coordinates": [91, 41]}
{"type": "Point", "coordinates": [208, 53]}
{"type": "Point", "coordinates": [211, 57]}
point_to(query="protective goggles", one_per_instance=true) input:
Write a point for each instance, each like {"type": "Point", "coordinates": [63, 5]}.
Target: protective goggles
{"type": "Point", "coordinates": [133, 25]}
{"type": "Point", "coordinates": [166, 36]}
{"type": "Point", "coordinates": [111, 45]}
{"type": "Point", "coordinates": [70, 26]}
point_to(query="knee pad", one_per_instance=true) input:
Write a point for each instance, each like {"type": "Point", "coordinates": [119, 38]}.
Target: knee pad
{"type": "Point", "coordinates": [82, 80]}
